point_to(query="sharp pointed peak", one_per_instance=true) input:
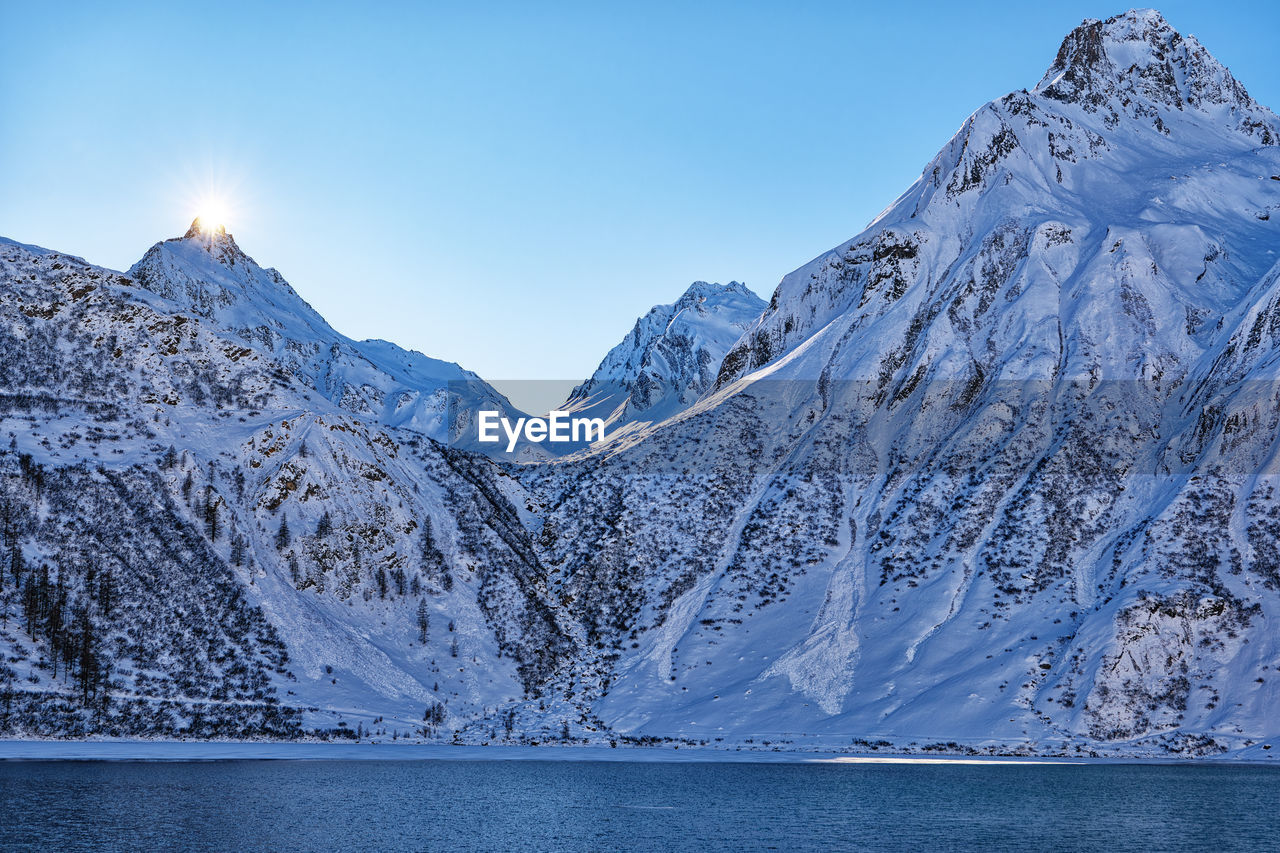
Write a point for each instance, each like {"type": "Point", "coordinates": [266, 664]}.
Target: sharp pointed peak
{"type": "Point", "coordinates": [206, 231]}
{"type": "Point", "coordinates": [207, 247]}
{"type": "Point", "coordinates": [213, 239]}
{"type": "Point", "coordinates": [1138, 54]}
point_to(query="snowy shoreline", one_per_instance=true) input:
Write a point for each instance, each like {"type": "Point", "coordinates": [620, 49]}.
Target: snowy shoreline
{"type": "Point", "coordinates": [140, 750]}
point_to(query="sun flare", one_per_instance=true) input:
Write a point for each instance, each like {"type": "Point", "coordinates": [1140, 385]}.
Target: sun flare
{"type": "Point", "coordinates": [211, 214]}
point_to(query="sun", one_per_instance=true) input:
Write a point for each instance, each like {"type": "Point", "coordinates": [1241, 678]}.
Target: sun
{"type": "Point", "coordinates": [211, 214]}
{"type": "Point", "coordinates": [212, 196]}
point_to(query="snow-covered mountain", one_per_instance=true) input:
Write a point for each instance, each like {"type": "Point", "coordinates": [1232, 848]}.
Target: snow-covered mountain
{"type": "Point", "coordinates": [669, 359]}
{"type": "Point", "coordinates": [997, 474]}
{"type": "Point", "coordinates": [206, 273]}
{"type": "Point", "coordinates": [197, 544]}
{"type": "Point", "coordinates": [981, 473]}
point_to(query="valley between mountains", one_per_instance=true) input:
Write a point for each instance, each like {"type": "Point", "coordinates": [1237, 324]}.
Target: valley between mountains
{"type": "Point", "coordinates": [1000, 474]}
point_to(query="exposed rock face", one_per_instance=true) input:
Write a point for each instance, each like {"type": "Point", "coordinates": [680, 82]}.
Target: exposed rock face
{"type": "Point", "coordinates": [1132, 62]}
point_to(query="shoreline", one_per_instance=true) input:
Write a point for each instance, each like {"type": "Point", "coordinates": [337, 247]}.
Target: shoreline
{"type": "Point", "coordinates": [200, 751]}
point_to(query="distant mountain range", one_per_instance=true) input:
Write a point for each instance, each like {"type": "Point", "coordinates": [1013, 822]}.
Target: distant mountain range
{"type": "Point", "coordinates": [998, 474]}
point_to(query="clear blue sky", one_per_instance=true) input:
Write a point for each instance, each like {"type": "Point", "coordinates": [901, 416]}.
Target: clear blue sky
{"type": "Point", "coordinates": [509, 185]}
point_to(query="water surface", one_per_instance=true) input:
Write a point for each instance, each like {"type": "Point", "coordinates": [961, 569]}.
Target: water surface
{"type": "Point", "coordinates": [587, 805]}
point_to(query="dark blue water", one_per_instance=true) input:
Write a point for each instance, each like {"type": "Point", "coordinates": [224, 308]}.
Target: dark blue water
{"type": "Point", "coordinates": [538, 805]}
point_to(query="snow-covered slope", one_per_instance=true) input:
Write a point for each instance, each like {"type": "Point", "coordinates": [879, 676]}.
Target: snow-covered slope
{"type": "Point", "coordinates": [206, 273]}
{"type": "Point", "coordinates": [669, 359]}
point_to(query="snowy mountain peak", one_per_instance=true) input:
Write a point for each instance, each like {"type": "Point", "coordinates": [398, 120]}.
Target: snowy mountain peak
{"type": "Point", "coordinates": [710, 296]}
{"type": "Point", "coordinates": [1136, 60]}
{"type": "Point", "coordinates": [216, 242]}
{"type": "Point", "coordinates": [671, 356]}
{"type": "Point", "coordinates": [701, 290]}
{"type": "Point", "coordinates": [1135, 128]}
{"type": "Point", "coordinates": [206, 273]}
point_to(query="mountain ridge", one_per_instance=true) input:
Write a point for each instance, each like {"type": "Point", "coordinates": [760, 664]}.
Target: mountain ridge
{"type": "Point", "coordinates": [207, 272]}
